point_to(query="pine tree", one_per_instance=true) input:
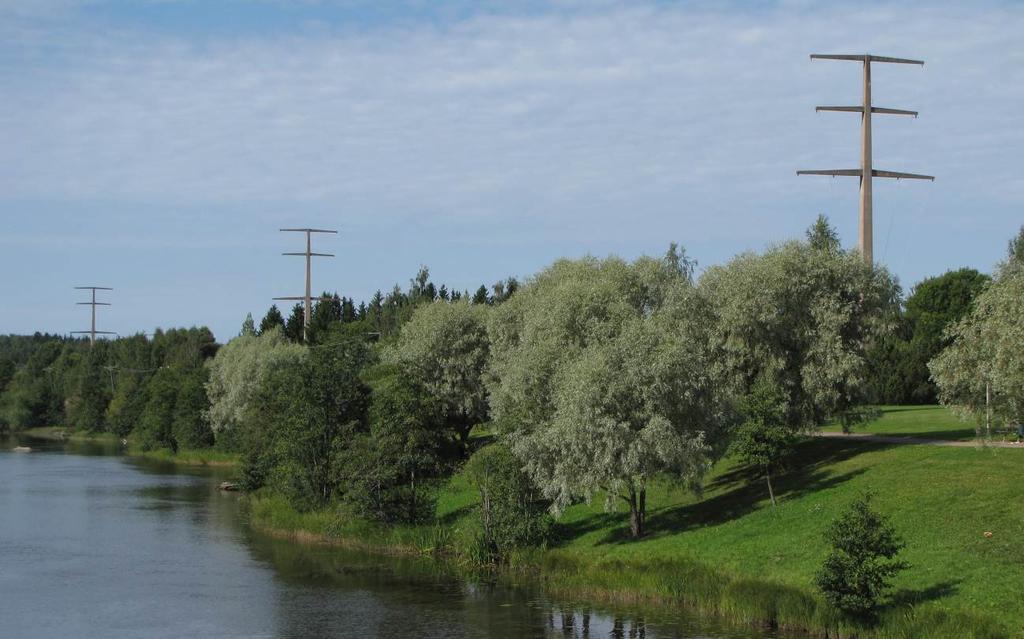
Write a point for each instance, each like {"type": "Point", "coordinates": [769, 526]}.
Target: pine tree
{"type": "Point", "coordinates": [271, 319]}
{"type": "Point", "coordinates": [248, 326]}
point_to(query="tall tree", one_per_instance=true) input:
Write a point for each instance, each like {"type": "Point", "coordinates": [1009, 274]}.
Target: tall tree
{"type": "Point", "coordinates": [444, 348]}
{"type": "Point", "coordinates": [306, 414]}
{"type": "Point", "coordinates": [155, 429]}
{"type": "Point", "coordinates": [933, 305]}
{"type": "Point", "coordinates": [608, 360]}
{"type": "Point", "coordinates": [190, 426]}
{"type": "Point", "coordinates": [237, 372]}
{"type": "Point", "coordinates": [981, 373]}
{"type": "Point", "coordinates": [272, 319]}
{"type": "Point", "coordinates": [294, 328]}
{"type": "Point", "coordinates": [821, 236]}
{"type": "Point", "coordinates": [803, 317]}
{"type": "Point", "coordinates": [248, 326]}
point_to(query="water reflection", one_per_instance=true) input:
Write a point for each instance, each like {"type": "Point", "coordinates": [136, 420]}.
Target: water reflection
{"type": "Point", "coordinates": [94, 545]}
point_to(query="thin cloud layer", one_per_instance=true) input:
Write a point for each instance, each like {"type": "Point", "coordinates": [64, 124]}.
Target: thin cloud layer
{"type": "Point", "coordinates": [592, 125]}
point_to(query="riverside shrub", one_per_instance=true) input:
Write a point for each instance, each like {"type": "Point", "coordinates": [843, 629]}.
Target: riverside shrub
{"type": "Point", "coordinates": [861, 564]}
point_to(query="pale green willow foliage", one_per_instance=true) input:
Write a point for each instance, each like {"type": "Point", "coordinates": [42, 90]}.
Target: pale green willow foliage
{"type": "Point", "coordinates": [802, 315]}
{"type": "Point", "coordinates": [444, 348]}
{"type": "Point", "coordinates": [987, 348]}
{"type": "Point", "coordinates": [601, 376]}
{"type": "Point", "coordinates": [238, 369]}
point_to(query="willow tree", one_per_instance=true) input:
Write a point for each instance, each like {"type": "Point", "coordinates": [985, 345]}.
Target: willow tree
{"type": "Point", "coordinates": [981, 373]}
{"type": "Point", "coordinates": [801, 314]}
{"type": "Point", "coordinates": [601, 376]}
{"type": "Point", "coordinates": [237, 372]}
{"type": "Point", "coordinates": [444, 348]}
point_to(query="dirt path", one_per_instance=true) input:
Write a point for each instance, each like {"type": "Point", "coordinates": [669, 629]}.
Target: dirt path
{"type": "Point", "coordinates": [891, 439]}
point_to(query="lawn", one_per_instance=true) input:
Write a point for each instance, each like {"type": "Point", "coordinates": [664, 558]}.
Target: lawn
{"type": "Point", "coordinates": [926, 422]}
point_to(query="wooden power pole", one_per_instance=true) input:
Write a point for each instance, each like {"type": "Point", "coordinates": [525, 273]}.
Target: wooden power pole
{"type": "Point", "coordinates": [866, 172]}
{"type": "Point", "coordinates": [92, 332]}
{"type": "Point", "coordinates": [308, 297]}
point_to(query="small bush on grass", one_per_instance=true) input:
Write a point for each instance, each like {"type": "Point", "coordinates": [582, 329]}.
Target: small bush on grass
{"type": "Point", "coordinates": [858, 570]}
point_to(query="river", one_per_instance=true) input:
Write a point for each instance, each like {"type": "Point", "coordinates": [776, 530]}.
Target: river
{"type": "Point", "coordinates": [95, 544]}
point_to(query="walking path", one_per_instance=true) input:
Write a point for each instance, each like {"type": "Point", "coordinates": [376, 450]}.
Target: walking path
{"type": "Point", "coordinates": [891, 439]}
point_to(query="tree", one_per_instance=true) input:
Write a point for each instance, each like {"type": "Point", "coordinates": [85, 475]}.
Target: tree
{"type": "Point", "coordinates": [822, 237]}
{"type": "Point", "coordinates": [390, 467]}
{"type": "Point", "coordinates": [803, 317]}
{"type": "Point", "coordinates": [764, 438]}
{"type": "Point", "coordinates": [326, 312]}
{"type": "Point", "coordinates": [271, 320]}
{"type": "Point", "coordinates": [981, 373]}
{"type": "Point", "coordinates": [511, 513]}
{"type": "Point", "coordinates": [302, 419]}
{"type": "Point", "coordinates": [1015, 252]}
{"type": "Point", "coordinates": [444, 348]}
{"type": "Point", "coordinates": [248, 326]}
{"type": "Point", "coordinates": [861, 563]}
{"type": "Point", "coordinates": [155, 423]}
{"type": "Point", "coordinates": [608, 360]}
{"type": "Point", "coordinates": [481, 296]}
{"type": "Point", "coordinates": [237, 372]}
{"type": "Point", "coordinates": [294, 328]}
{"type": "Point", "coordinates": [88, 402]}
{"type": "Point", "coordinates": [933, 305]}
{"type": "Point", "coordinates": [190, 427]}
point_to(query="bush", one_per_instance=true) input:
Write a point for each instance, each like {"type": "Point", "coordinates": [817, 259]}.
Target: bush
{"type": "Point", "coordinates": [857, 572]}
{"type": "Point", "coordinates": [511, 516]}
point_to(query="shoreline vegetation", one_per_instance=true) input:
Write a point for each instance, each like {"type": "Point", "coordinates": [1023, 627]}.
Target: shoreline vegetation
{"type": "Point", "coordinates": [198, 457]}
{"type": "Point", "coordinates": [715, 563]}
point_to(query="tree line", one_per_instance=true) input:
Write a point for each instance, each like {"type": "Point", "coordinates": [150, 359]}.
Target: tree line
{"type": "Point", "coordinates": [592, 379]}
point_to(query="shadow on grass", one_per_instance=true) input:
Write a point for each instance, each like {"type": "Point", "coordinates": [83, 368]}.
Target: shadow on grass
{"type": "Point", "coordinates": [950, 435]}
{"type": "Point", "coordinates": [449, 519]}
{"type": "Point", "coordinates": [904, 597]}
{"type": "Point", "coordinates": [737, 493]}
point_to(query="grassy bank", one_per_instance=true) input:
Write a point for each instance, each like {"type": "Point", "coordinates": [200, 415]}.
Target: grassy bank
{"type": "Point", "coordinates": [57, 433]}
{"type": "Point", "coordinates": [200, 457]}
{"type": "Point", "coordinates": [942, 500]}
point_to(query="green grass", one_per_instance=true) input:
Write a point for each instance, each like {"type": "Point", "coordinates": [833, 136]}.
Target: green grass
{"type": "Point", "coordinates": [731, 553]}
{"type": "Point", "coordinates": [201, 457]}
{"type": "Point", "coordinates": [56, 433]}
{"type": "Point", "coordinates": [926, 422]}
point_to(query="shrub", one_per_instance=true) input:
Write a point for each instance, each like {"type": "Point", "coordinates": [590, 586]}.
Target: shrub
{"type": "Point", "coordinates": [859, 568]}
{"type": "Point", "coordinates": [511, 516]}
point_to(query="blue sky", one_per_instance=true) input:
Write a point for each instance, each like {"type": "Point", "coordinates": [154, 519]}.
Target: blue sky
{"type": "Point", "coordinates": [156, 147]}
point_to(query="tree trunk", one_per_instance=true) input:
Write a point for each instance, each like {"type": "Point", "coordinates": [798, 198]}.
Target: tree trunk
{"type": "Point", "coordinates": [637, 512]}
{"type": "Point", "coordinates": [771, 493]}
{"type": "Point", "coordinates": [412, 513]}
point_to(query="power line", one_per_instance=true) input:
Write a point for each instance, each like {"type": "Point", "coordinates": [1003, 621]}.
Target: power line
{"type": "Point", "coordinates": [308, 254]}
{"type": "Point", "coordinates": [866, 172]}
{"type": "Point", "coordinates": [92, 332]}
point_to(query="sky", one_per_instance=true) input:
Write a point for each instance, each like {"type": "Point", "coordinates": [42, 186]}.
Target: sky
{"type": "Point", "coordinates": [157, 146]}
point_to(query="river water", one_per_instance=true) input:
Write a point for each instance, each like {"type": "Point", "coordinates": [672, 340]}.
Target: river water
{"type": "Point", "coordinates": [93, 544]}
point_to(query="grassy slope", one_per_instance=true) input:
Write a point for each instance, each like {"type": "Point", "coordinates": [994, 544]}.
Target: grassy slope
{"type": "Point", "coordinates": [940, 499]}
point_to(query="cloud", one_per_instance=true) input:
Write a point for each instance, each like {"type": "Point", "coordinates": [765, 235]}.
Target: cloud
{"type": "Point", "coordinates": [584, 127]}
{"type": "Point", "coordinates": [494, 114]}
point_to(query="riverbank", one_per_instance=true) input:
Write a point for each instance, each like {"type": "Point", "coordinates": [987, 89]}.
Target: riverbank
{"type": "Point", "coordinates": [185, 457]}
{"type": "Point", "coordinates": [713, 554]}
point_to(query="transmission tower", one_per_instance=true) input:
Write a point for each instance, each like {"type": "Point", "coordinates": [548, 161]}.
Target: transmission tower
{"type": "Point", "coordinates": [92, 332]}
{"type": "Point", "coordinates": [866, 172]}
{"type": "Point", "coordinates": [309, 254]}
